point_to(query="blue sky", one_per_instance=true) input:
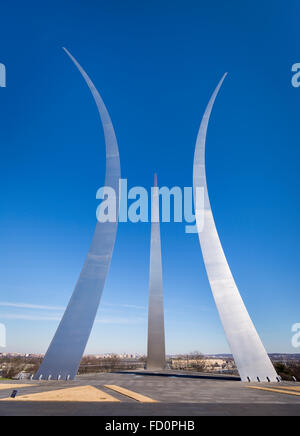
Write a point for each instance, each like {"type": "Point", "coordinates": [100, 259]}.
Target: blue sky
{"type": "Point", "coordinates": [155, 64]}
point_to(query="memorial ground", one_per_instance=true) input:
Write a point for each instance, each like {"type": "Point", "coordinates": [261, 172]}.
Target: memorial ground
{"type": "Point", "coordinates": [137, 394]}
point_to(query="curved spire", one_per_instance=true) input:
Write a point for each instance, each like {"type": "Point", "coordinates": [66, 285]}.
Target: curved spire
{"type": "Point", "coordinates": [249, 354]}
{"type": "Point", "coordinates": [67, 347]}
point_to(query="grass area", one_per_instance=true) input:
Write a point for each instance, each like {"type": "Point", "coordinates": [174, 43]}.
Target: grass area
{"type": "Point", "coordinates": [1, 378]}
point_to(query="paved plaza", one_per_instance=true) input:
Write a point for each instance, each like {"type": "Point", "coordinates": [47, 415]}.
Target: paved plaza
{"type": "Point", "coordinates": [142, 393]}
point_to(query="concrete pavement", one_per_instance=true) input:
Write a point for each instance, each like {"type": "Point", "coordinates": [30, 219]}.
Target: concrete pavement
{"type": "Point", "coordinates": [171, 395]}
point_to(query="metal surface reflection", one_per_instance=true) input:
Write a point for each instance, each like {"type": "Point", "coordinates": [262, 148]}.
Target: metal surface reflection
{"type": "Point", "coordinates": [249, 354]}
{"type": "Point", "coordinates": [156, 356]}
{"type": "Point", "coordinates": [67, 347]}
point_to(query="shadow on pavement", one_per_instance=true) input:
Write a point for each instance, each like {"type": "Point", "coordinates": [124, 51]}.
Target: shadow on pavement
{"type": "Point", "coordinates": [180, 375]}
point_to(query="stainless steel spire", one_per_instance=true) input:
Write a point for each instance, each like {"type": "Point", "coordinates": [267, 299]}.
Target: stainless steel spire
{"type": "Point", "coordinates": [248, 351]}
{"type": "Point", "coordinates": [67, 347]}
{"type": "Point", "coordinates": [156, 356]}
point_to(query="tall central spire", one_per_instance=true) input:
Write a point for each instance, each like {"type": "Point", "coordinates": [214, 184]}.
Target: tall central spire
{"type": "Point", "coordinates": [156, 357]}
